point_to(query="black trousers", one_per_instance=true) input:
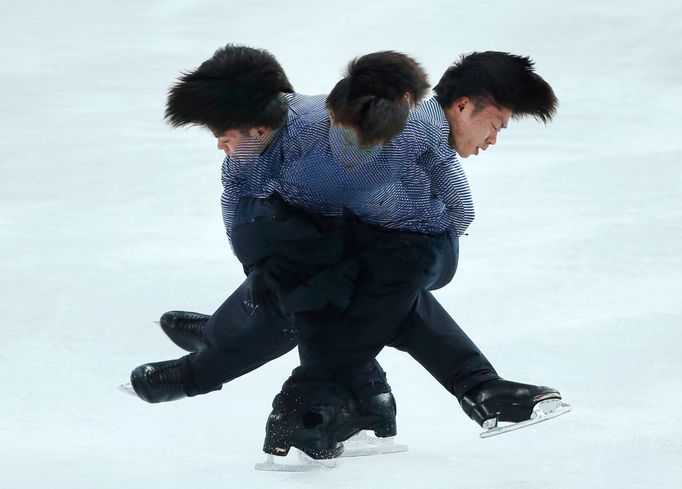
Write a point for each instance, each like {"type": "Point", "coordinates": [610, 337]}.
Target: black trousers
{"type": "Point", "coordinates": [291, 258]}
{"type": "Point", "coordinates": [341, 290]}
{"type": "Point", "coordinates": [391, 305]}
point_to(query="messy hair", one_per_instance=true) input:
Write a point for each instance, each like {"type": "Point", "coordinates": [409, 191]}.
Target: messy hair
{"type": "Point", "coordinates": [504, 79]}
{"type": "Point", "coordinates": [370, 98]}
{"type": "Point", "coordinates": [239, 87]}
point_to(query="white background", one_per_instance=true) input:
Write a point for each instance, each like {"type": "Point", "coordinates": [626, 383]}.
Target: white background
{"type": "Point", "coordinates": [570, 277]}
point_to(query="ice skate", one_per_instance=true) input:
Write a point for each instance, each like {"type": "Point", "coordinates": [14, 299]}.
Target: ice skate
{"type": "Point", "coordinates": [316, 417]}
{"type": "Point", "coordinates": [367, 412]}
{"type": "Point", "coordinates": [305, 416]}
{"type": "Point", "coordinates": [377, 414]}
{"type": "Point", "coordinates": [542, 411]}
{"type": "Point", "coordinates": [185, 329]}
{"type": "Point", "coordinates": [372, 431]}
{"type": "Point", "coordinates": [502, 401]}
{"type": "Point", "coordinates": [127, 388]}
{"type": "Point", "coordinates": [158, 382]}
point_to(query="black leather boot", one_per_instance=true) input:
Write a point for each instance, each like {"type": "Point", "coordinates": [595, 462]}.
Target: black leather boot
{"type": "Point", "coordinates": [379, 410]}
{"type": "Point", "coordinates": [158, 382]}
{"type": "Point", "coordinates": [309, 416]}
{"type": "Point", "coordinates": [185, 329]}
{"type": "Point", "coordinates": [503, 400]}
{"type": "Point", "coordinates": [377, 406]}
{"type": "Point", "coordinates": [374, 407]}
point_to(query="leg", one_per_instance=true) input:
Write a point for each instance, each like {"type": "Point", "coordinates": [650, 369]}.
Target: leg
{"type": "Point", "coordinates": [435, 340]}
{"type": "Point", "coordinates": [240, 337]}
{"type": "Point", "coordinates": [394, 267]}
{"type": "Point", "coordinates": [285, 250]}
{"type": "Point", "coordinates": [342, 348]}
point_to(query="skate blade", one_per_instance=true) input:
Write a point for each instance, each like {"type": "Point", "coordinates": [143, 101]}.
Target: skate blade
{"type": "Point", "coordinates": [363, 445]}
{"type": "Point", "coordinates": [127, 388]}
{"type": "Point", "coordinates": [542, 411]}
{"type": "Point", "coordinates": [304, 464]}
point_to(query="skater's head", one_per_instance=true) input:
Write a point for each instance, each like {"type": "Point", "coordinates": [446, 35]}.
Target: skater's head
{"type": "Point", "coordinates": [481, 91]}
{"type": "Point", "coordinates": [373, 99]}
{"type": "Point", "coordinates": [236, 94]}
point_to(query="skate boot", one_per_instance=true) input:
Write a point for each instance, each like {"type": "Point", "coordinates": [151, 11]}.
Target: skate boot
{"type": "Point", "coordinates": [501, 400]}
{"type": "Point", "coordinates": [380, 409]}
{"type": "Point", "coordinates": [306, 416]}
{"type": "Point", "coordinates": [365, 387]}
{"type": "Point", "coordinates": [158, 382]}
{"type": "Point", "coordinates": [185, 329]}
{"type": "Point", "coordinates": [376, 414]}
{"type": "Point", "coordinates": [373, 413]}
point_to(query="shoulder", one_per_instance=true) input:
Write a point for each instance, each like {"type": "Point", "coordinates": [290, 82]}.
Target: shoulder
{"type": "Point", "coordinates": [307, 124]}
{"type": "Point", "coordinates": [424, 130]}
{"type": "Point", "coordinates": [429, 119]}
{"type": "Point", "coordinates": [305, 105]}
{"type": "Point", "coordinates": [305, 110]}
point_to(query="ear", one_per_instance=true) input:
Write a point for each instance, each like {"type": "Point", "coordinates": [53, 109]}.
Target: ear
{"type": "Point", "coordinates": [461, 103]}
{"type": "Point", "coordinates": [260, 131]}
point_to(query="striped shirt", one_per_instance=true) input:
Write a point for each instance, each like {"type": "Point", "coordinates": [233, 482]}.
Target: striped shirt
{"type": "Point", "coordinates": [414, 183]}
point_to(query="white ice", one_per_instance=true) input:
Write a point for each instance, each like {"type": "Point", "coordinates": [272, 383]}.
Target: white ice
{"type": "Point", "coordinates": [570, 276]}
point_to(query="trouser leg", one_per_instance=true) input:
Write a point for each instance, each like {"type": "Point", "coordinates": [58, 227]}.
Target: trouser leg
{"type": "Point", "coordinates": [280, 247]}
{"type": "Point", "coordinates": [242, 335]}
{"type": "Point", "coordinates": [391, 306]}
{"type": "Point", "coordinates": [435, 340]}
{"type": "Point", "coordinates": [294, 272]}
{"type": "Point", "coordinates": [392, 272]}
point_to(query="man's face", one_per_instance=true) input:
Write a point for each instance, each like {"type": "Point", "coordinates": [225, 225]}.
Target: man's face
{"type": "Point", "coordinates": [473, 127]}
{"type": "Point", "coordinates": [235, 142]}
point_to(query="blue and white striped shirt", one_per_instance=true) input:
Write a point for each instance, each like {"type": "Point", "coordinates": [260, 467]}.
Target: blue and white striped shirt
{"type": "Point", "coordinates": [414, 183]}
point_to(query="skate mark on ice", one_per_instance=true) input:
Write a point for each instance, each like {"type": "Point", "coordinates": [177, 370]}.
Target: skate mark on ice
{"type": "Point", "coordinates": [363, 445]}
{"type": "Point", "coordinates": [303, 464]}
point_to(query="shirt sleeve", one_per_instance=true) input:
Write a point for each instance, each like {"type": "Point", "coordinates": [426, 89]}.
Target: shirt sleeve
{"type": "Point", "coordinates": [449, 183]}
{"type": "Point", "coordinates": [231, 194]}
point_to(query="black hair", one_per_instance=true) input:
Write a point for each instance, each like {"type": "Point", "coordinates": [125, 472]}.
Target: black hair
{"type": "Point", "coordinates": [371, 96]}
{"type": "Point", "coordinates": [504, 79]}
{"type": "Point", "coordinates": [239, 87]}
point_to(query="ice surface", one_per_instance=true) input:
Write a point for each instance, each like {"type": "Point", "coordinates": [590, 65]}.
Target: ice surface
{"type": "Point", "coordinates": [570, 277]}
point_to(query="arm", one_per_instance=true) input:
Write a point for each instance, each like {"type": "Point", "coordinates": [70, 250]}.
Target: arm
{"type": "Point", "coordinates": [450, 185]}
{"type": "Point", "coordinates": [232, 185]}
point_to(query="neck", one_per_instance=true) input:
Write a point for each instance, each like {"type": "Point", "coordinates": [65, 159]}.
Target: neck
{"type": "Point", "coordinates": [450, 118]}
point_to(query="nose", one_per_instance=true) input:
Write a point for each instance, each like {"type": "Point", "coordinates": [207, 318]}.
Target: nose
{"type": "Point", "coordinates": [492, 138]}
{"type": "Point", "coordinates": [222, 146]}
